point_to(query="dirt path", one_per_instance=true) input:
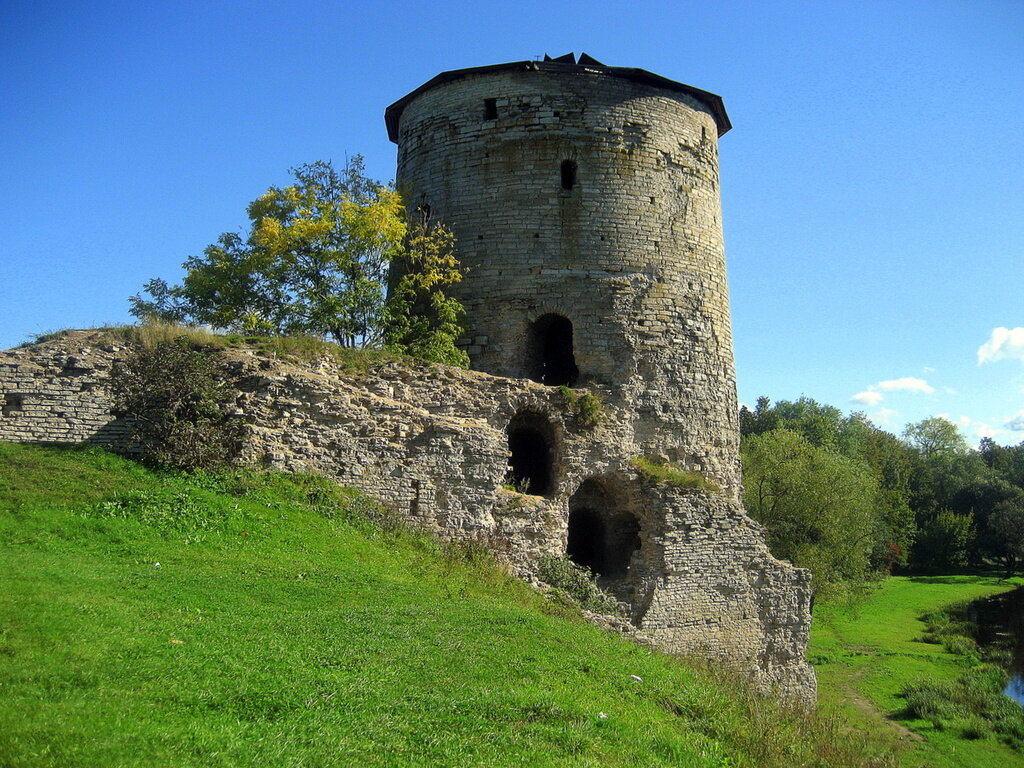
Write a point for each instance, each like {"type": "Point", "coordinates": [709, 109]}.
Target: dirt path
{"type": "Point", "coordinates": [868, 708]}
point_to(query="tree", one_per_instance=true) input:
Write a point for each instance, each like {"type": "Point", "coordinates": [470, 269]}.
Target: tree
{"type": "Point", "coordinates": [935, 435]}
{"type": "Point", "coordinates": [316, 261]}
{"type": "Point", "coordinates": [816, 506]}
{"type": "Point", "coordinates": [1008, 460]}
{"type": "Point", "coordinates": [856, 438]}
{"type": "Point", "coordinates": [422, 319]}
{"type": "Point", "coordinates": [943, 541]}
{"type": "Point", "coordinates": [1005, 534]}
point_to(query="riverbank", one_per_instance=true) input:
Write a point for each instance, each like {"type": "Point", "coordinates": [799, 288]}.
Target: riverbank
{"type": "Point", "coordinates": [864, 658]}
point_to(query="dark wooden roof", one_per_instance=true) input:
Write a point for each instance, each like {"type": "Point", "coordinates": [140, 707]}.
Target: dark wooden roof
{"type": "Point", "coordinates": [563, 65]}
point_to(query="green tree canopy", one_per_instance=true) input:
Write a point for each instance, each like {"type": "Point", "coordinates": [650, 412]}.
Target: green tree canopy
{"type": "Point", "coordinates": [316, 261]}
{"type": "Point", "coordinates": [816, 505]}
{"type": "Point", "coordinates": [1005, 534]}
{"type": "Point", "coordinates": [935, 435]}
{"type": "Point", "coordinates": [855, 437]}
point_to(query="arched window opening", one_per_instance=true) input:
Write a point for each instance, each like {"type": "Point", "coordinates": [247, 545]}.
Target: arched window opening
{"type": "Point", "coordinates": [586, 543]}
{"type": "Point", "coordinates": [531, 445]}
{"type": "Point", "coordinates": [553, 362]}
{"type": "Point", "coordinates": [602, 535]}
{"type": "Point", "coordinates": [568, 174]}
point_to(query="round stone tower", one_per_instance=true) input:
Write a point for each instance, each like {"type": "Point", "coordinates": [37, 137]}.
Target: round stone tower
{"type": "Point", "coordinates": [585, 202]}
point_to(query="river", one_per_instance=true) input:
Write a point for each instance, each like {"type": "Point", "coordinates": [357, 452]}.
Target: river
{"type": "Point", "coordinates": [1000, 621]}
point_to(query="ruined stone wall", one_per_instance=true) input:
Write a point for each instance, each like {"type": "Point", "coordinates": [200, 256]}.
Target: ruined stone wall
{"type": "Point", "coordinates": [57, 393]}
{"type": "Point", "coordinates": [432, 443]}
{"type": "Point", "coordinates": [632, 255]}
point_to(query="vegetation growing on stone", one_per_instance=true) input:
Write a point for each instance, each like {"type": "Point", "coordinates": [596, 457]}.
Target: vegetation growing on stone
{"type": "Point", "coordinates": [576, 582]}
{"type": "Point", "coordinates": [178, 403]}
{"type": "Point", "coordinates": [658, 470]}
{"type": "Point", "coordinates": [586, 407]}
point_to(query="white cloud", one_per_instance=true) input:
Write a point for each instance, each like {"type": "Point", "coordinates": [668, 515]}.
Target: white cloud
{"type": "Point", "coordinates": [906, 384]}
{"type": "Point", "coordinates": [1016, 422]}
{"type": "Point", "coordinates": [978, 429]}
{"type": "Point", "coordinates": [1003, 343]}
{"type": "Point", "coordinates": [869, 397]}
{"type": "Point", "coordinates": [984, 430]}
{"type": "Point", "coordinates": [873, 394]}
{"type": "Point", "coordinates": [885, 416]}
{"type": "Point", "coordinates": [950, 391]}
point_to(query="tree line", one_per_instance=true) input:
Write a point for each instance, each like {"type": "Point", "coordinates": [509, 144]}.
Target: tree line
{"type": "Point", "coordinates": [853, 502]}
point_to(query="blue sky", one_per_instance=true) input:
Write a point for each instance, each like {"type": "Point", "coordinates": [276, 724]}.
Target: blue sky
{"type": "Point", "coordinates": [873, 184]}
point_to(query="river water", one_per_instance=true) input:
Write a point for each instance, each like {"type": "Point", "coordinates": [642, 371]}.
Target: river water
{"type": "Point", "coordinates": [1000, 621]}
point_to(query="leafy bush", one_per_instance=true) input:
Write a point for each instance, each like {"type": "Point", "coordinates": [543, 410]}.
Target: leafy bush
{"type": "Point", "coordinates": [656, 470]}
{"type": "Point", "coordinates": [586, 408]}
{"type": "Point", "coordinates": [960, 645]}
{"type": "Point", "coordinates": [177, 402]}
{"type": "Point", "coordinates": [576, 582]}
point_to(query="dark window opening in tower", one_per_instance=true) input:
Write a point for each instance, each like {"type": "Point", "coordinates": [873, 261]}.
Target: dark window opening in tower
{"type": "Point", "coordinates": [490, 109]}
{"type": "Point", "coordinates": [601, 543]}
{"type": "Point", "coordinates": [586, 543]}
{"type": "Point", "coordinates": [602, 535]}
{"type": "Point", "coordinates": [568, 174]}
{"type": "Point", "coordinates": [552, 360]}
{"type": "Point", "coordinates": [530, 443]}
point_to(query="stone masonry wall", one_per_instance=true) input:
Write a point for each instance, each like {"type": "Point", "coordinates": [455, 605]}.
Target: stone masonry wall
{"type": "Point", "coordinates": [431, 442]}
{"type": "Point", "coordinates": [57, 393]}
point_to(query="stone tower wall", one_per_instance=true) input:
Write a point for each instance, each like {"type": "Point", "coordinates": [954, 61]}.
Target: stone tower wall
{"type": "Point", "coordinates": [632, 255]}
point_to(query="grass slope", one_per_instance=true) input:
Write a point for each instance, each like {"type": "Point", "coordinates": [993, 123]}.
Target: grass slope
{"type": "Point", "coordinates": [244, 619]}
{"type": "Point", "coordinates": [867, 656]}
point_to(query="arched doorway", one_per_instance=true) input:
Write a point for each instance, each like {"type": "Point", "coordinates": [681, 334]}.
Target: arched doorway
{"type": "Point", "coordinates": [531, 444]}
{"type": "Point", "coordinates": [603, 533]}
{"type": "Point", "coordinates": [552, 361]}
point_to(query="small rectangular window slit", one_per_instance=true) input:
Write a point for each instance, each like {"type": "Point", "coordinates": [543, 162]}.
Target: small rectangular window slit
{"type": "Point", "coordinates": [568, 174]}
{"type": "Point", "coordinates": [490, 109]}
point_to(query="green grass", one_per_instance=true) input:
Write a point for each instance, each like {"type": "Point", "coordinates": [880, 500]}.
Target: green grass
{"type": "Point", "coordinates": [866, 656]}
{"type": "Point", "coordinates": [659, 471]}
{"type": "Point", "coordinates": [587, 407]}
{"type": "Point", "coordinates": [266, 620]}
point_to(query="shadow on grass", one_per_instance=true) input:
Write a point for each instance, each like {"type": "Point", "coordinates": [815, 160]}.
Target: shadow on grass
{"type": "Point", "coordinates": [987, 576]}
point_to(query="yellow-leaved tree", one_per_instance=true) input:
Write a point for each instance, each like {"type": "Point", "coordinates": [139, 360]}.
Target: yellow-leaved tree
{"type": "Point", "coordinates": [316, 261]}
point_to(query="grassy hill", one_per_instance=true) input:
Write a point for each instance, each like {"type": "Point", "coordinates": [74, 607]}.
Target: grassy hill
{"type": "Point", "coordinates": [268, 620]}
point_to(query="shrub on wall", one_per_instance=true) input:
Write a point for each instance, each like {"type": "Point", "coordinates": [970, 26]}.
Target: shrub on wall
{"type": "Point", "coordinates": [576, 582]}
{"type": "Point", "coordinates": [177, 402]}
{"type": "Point", "coordinates": [587, 408]}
